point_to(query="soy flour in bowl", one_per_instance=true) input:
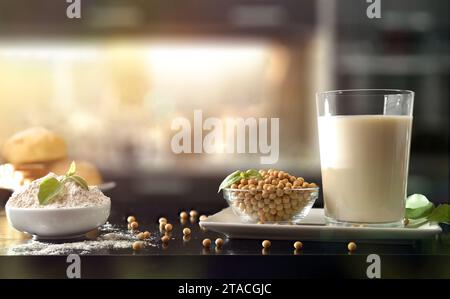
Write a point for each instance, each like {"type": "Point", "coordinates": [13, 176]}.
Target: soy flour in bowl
{"type": "Point", "coordinates": [73, 196]}
{"type": "Point", "coordinates": [74, 209]}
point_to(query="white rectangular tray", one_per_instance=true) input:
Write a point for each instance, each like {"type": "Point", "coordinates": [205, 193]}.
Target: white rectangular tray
{"type": "Point", "coordinates": [313, 227]}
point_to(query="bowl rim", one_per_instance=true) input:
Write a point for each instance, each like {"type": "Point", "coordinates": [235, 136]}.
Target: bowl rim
{"type": "Point", "coordinates": [291, 189]}
{"type": "Point", "coordinates": [106, 205]}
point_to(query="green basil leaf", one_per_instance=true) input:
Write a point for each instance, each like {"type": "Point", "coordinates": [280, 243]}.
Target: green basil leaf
{"type": "Point", "coordinates": [257, 176]}
{"type": "Point", "coordinates": [441, 214]}
{"type": "Point", "coordinates": [48, 190]}
{"type": "Point", "coordinates": [416, 201]}
{"type": "Point", "coordinates": [253, 174]}
{"type": "Point", "coordinates": [78, 180]}
{"type": "Point", "coordinates": [418, 206]}
{"type": "Point", "coordinates": [72, 169]}
{"type": "Point", "coordinates": [415, 223]}
{"type": "Point", "coordinates": [230, 180]}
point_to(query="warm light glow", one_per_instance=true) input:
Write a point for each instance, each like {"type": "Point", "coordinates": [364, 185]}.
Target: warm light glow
{"type": "Point", "coordinates": [37, 51]}
{"type": "Point", "coordinates": [206, 61]}
{"type": "Point", "coordinates": [10, 178]}
{"type": "Point", "coordinates": [201, 73]}
{"type": "Point", "coordinates": [115, 93]}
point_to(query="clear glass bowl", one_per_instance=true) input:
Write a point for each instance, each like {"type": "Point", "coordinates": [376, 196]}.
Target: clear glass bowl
{"type": "Point", "coordinates": [278, 205]}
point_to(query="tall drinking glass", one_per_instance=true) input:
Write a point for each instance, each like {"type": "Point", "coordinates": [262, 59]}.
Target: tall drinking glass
{"type": "Point", "coordinates": [364, 138]}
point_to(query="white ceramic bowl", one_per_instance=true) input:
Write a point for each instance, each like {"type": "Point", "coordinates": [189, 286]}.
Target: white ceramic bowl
{"type": "Point", "coordinates": [57, 223]}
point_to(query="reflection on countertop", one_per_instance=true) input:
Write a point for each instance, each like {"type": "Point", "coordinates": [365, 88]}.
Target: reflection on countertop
{"type": "Point", "coordinates": [8, 235]}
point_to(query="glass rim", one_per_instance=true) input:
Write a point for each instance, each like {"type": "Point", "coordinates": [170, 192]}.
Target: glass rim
{"type": "Point", "coordinates": [366, 92]}
{"type": "Point", "coordinates": [290, 189]}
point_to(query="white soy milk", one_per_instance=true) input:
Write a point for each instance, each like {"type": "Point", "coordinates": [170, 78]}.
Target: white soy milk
{"type": "Point", "coordinates": [364, 161]}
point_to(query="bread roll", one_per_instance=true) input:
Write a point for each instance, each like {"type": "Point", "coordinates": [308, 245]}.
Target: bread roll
{"type": "Point", "coordinates": [33, 171]}
{"type": "Point", "coordinates": [84, 169]}
{"type": "Point", "coordinates": [34, 145]}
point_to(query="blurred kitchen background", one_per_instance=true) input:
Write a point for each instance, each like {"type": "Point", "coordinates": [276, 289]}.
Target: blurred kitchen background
{"type": "Point", "coordinates": [112, 82]}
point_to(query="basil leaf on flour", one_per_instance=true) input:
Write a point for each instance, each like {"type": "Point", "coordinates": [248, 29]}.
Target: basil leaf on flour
{"type": "Point", "coordinates": [49, 189]}
{"type": "Point", "coordinates": [79, 180]}
{"type": "Point", "coordinates": [72, 169]}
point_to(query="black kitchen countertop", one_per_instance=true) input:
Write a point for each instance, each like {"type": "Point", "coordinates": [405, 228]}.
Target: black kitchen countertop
{"type": "Point", "coordinates": [189, 259]}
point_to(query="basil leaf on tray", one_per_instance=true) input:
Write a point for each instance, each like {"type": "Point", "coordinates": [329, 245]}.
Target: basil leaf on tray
{"type": "Point", "coordinates": [418, 206]}
{"type": "Point", "coordinates": [421, 210]}
{"type": "Point", "coordinates": [440, 214]}
{"type": "Point", "coordinates": [49, 189]}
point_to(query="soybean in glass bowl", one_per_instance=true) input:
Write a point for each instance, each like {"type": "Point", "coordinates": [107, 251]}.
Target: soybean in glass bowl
{"type": "Point", "coordinates": [276, 206]}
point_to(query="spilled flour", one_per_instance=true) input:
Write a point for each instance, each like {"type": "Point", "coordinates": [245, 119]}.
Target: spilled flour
{"type": "Point", "coordinates": [110, 238]}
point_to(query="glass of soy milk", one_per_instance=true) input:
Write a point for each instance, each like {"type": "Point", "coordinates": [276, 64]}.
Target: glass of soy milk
{"type": "Point", "coordinates": [364, 138]}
